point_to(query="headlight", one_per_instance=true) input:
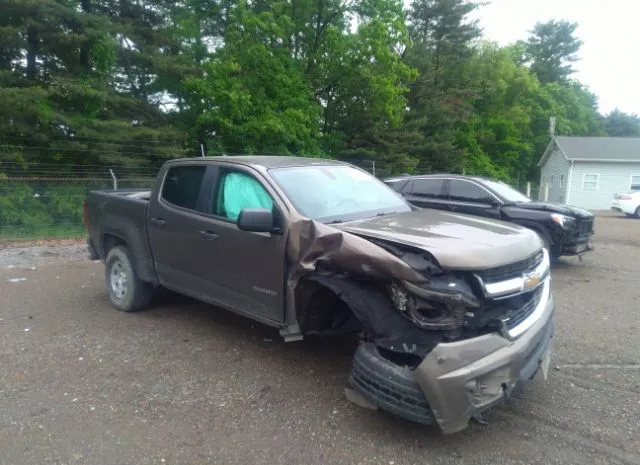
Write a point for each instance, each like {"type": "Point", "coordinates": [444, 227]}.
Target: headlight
{"type": "Point", "coordinates": [441, 304]}
{"type": "Point", "coordinates": [564, 221]}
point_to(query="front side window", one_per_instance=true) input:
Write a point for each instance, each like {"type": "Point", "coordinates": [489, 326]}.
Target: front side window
{"type": "Point", "coordinates": [465, 191]}
{"type": "Point", "coordinates": [505, 191]}
{"type": "Point", "coordinates": [335, 193]}
{"type": "Point", "coordinates": [182, 185]}
{"type": "Point", "coordinates": [238, 191]}
{"type": "Point", "coordinates": [635, 183]}
{"type": "Point", "coordinates": [590, 182]}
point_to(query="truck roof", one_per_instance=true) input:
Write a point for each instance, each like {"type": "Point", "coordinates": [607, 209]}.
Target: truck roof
{"type": "Point", "coordinates": [266, 161]}
{"type": "Point", "coordinates": [436, 175]}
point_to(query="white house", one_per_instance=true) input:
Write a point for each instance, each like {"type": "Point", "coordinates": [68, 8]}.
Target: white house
{"type": "Point", "coordinates": [588, 171]}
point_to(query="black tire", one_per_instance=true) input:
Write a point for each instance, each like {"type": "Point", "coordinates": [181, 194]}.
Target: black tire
{"type": "Point", "coordinates": [637, 213]}
{"type": "Point", "coordinates": [389, 386]}
{"type": "Point", "coordinates": [126, 291]}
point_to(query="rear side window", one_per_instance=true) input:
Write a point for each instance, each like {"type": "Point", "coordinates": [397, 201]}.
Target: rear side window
{"type": "Point", "coordinates": [182, 186]}
{"type": "Point", "coordinates": [427, 188]}
{"type": "Point", "coordinates": [465, 191]}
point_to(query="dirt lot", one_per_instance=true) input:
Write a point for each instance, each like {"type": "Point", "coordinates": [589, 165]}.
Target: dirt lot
{"type": "Point", "coordinates": [184, 383]}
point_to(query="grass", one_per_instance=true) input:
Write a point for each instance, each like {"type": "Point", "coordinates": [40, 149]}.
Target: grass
{"type": "Point", "coordinates": [42, 232]}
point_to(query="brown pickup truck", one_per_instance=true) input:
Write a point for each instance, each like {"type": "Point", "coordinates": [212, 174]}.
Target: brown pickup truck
{"type": "Point", "coordinates": [454, 312]}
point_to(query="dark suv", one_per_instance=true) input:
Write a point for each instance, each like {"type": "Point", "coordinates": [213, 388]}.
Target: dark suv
{"type": "Point", "coordinates": [565, 230]}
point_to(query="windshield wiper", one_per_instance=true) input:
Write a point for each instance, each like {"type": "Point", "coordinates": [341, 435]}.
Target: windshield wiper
{"type": "Point", "coordinates": [335, 222]}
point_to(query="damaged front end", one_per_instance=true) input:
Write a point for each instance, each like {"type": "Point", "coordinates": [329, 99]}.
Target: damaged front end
{"type": "Point", "coordinates": [441, 345]}
{"type": "Point", "coordinates": [485, 334]}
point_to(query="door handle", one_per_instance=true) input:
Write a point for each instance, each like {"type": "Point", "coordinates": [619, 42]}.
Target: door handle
{"type": "Point", "coordinates": [158, 221]}
{"type": "Point", "coordinates": [209, 235]}
{"type": "Point", "coordinates": [453, 208]}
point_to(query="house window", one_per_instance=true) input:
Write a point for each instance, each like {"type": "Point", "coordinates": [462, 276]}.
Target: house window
{"type": "Point", "coordinates": [544, 180]}
{"type": "Point", "coordinates": [635, 183]}
{"type": "Point", "coordinates": [552, 180]}
{"type": "Point", "coordinates": [590, 182]}
{"type": "Point", "coordinates": [562, 180]}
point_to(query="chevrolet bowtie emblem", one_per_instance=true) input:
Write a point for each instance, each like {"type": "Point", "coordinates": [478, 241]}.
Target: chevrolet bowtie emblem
{"type": "Point", "coordinates": [531, 280]}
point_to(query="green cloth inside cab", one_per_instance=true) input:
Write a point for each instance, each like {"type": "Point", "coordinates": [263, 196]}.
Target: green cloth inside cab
{"type": "Point", "coordinates": [240, 191]}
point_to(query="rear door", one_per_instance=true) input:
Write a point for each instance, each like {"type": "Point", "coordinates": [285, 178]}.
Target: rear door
{"type": "Point", "coordinates": [426, 193]}
{"type": "Point", "coordinates": [175, 228]}
{"type": "Point", "coordinates": [465, 196]}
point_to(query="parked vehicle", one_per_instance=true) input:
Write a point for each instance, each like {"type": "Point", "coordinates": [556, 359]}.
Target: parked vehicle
{"type": "Point", "coordinates": [455, 312]}
{"type": "Point", "coordinates": [627, 203]}
{"type": "Point", "coordinates": [564, 230]}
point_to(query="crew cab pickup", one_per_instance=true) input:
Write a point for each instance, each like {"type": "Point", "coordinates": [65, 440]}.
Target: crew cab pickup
{"type": "Point", "coordinates": [564, 230]}
{"type": "Point", "coordinates": [454, 313]}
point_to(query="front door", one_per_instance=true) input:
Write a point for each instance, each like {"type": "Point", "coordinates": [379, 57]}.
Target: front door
{"type": "Point", "coordinates": [468, 197]}
{"type": "Point", "coordinates": [246, 269]}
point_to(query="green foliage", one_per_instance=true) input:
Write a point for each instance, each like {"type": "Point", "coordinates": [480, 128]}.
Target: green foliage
{"type": "Point", "coordinates": [619, 124]}
{"type": "Point", "coordinates": [552, 49]}
{"type": "Point", "coordinates": [135, 82]}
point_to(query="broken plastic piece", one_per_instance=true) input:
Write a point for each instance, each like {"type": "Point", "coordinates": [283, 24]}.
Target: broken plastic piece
{"type": "Point", "coordinates": [480, 418]}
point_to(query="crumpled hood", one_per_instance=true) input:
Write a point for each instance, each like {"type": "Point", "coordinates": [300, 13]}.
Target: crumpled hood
{"type": "Point", "coordinates": [456, 241]}
{"type": "Point", "coordinates": [553, 207]}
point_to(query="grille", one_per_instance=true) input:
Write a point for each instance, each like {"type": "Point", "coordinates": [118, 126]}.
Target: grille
{"type": "Point", "coordinates": [513, 270]}
{"type": "Point", "coordinates": [584, 227]}
{"type": "Point", "coordinates": [515, 316]}
{"type": "Point", "coordinates": [513, 310]}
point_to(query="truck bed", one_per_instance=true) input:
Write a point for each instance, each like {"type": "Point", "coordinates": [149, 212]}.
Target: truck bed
{"type": "Point", "coordinates": [121, 216]}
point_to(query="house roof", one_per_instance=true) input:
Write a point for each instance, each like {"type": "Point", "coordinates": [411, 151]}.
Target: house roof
{"type": "Point", "coordinates": [600, 149]}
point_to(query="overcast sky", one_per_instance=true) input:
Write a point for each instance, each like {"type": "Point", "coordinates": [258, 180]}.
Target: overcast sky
{"type": "Point", "coordinates": [610, 30]}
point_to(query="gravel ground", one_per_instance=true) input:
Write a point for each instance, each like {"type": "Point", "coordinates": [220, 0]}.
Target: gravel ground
{"type": "Point", "coordinates": [185, 383]}
{"type": "Point", "coordinates": [33, 254]}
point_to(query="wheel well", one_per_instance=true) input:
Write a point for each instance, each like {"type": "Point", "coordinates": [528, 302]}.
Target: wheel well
{"type": "Point", "coordinates": [540, 230]}
{"type": "Point", "coordinates": [110, 241]}
{"type": "Point", "coordinates": [321, 311]}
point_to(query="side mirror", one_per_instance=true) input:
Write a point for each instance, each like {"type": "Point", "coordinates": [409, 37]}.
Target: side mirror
{"type": "Point", "coordinates": [256, 220]}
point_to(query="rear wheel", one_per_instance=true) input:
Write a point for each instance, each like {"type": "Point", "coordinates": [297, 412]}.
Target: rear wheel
{"type": "Point", "coordinates": [126, 291]}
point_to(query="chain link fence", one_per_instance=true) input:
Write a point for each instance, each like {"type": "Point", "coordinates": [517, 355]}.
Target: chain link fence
{"type": "Point", "coordinates": [38, 207]}
{"type": "Point", "coordinates": [39, 202]}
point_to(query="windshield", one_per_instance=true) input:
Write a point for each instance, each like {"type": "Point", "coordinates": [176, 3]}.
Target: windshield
{"type": "Point", "coordinates": [507, 192]}
{"type": "Point", "coordinates": [335, 193]}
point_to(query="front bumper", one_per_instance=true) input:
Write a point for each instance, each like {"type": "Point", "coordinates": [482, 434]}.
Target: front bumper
{"type": "Point", "coordinates": [624, 206]}
{"type": "Point", "coordinates": [463, 378]}
{"type": "Point", "coordinates": [577, 248]}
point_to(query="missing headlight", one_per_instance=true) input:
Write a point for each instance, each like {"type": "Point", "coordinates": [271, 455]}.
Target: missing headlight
{"type": "Point", "coordinates": [443, 304]}
{"type": "Point", "coordinates": [435, 315]}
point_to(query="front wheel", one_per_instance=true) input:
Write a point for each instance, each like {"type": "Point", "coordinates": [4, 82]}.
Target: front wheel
{"type": "Point", "coordinates": [126, 291]}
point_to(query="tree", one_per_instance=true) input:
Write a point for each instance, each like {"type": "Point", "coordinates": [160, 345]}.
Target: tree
{"type": "Point", "coordinates": [254, 93]}
{"type": "Point", "coordinates": [551, 50]}
{"type": "Point", "coordinates": [620, 124]}
{"type": "Point", "coordinates": [83, 77]}
{"type": "Point", "coordinates": [443, 37]}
